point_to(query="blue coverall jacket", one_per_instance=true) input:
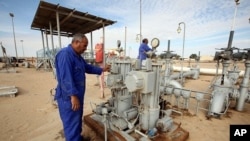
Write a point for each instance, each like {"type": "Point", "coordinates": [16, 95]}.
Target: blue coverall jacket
{"type": "Point", "coordinates": [142, 51]}
{"type": "Point", "coordinates": [70, 75]}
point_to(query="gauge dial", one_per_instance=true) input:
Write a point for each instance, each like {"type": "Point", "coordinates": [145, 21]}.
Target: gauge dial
{"type": "Point", "coordinates": [155, 42]}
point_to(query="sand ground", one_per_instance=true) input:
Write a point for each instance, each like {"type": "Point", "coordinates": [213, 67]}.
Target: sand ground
{"type": "Point", "coordinates": [31, 116]}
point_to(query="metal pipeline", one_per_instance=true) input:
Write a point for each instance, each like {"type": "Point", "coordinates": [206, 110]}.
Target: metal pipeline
{"type": "Point", "coordinates": [175, 83]}
{"type": "Point", "coordinates": [168, 68]}
{"type": "Point", "coordinates": [176, 90]}
{"type": "Point", "coordinates": [193, 73]}
{"type": "Point", "coordinates": [156, 69]}
{"type": "Point", "coordinates": [205, 71]}
{"type": "Point", "coordinates": [243, 88]}
{"type": "Point", "coordinates": [142, 134]}
{"type": "Point", "coordinates": [190, 73]}
{"type": "Point", "coordinates": [175, 76]}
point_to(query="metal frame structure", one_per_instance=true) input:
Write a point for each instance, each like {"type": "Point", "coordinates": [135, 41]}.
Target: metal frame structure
{"type": "Point", "coordinates": [61, 21]}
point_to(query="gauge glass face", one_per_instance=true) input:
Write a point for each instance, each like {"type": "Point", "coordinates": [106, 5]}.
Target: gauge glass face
{"type": "Point", "coordinates": [155, 42]}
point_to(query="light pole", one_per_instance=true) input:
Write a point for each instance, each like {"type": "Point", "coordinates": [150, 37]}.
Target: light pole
{"type": "Point", "coordinates": [140, 23]}
{"type": "Point", "coordinates": [22, 47]}
{"type": "Point", "coordinates": [179, 30]}
{"type": "Point", "coordinates": [12, 15]}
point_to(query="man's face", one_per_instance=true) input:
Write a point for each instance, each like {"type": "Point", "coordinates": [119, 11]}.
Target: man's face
{"type": "Point", "coordinates": [80, 46]}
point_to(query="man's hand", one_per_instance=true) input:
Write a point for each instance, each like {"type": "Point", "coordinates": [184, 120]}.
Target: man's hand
{"type": "Point", "coordinates": [149, 53]}
{"type": "Point", "coordinates": [106, 68]}
{"type": "Point", "coordinates": [75, 103]}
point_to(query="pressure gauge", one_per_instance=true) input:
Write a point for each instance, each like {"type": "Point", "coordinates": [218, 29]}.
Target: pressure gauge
{"type": "Point", "coordinates": [155, 42]}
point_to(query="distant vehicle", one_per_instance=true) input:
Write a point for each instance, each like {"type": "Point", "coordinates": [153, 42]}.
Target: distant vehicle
{"type": "Point", "coordinates": [14, 60]}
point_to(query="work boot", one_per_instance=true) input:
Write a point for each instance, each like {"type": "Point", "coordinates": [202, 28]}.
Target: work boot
{"type": "Point", "coordinates": [85, 138]}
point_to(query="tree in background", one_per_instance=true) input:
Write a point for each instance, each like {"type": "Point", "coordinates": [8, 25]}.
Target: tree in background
{"type": "Point", "coordinates": [193, 56]}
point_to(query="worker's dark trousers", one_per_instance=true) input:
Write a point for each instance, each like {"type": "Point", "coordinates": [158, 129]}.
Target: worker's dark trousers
{"type": "Point", "coordinates": [72, 120]}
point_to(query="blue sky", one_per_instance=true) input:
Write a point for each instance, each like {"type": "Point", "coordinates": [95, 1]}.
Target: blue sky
{"type": "Point", "coordinates": [208, 24]}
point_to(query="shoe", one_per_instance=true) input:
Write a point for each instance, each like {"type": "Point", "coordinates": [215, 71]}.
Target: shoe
{"type": "Point", "coordinates": [85, 138]}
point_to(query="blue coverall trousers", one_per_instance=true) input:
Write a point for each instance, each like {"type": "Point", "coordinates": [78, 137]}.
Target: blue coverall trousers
{"type": "Point", "coordinates": [72, 120]}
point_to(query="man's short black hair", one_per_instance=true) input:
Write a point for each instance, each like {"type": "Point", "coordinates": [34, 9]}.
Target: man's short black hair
{"type": "Point", "coordinates": [144, 40]}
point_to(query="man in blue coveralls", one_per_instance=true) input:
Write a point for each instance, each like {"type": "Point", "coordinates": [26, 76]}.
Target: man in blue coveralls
{"type": "Point", "coordinates": [70, 91]}
{"type": "Point", "coordinates": [143, 49]}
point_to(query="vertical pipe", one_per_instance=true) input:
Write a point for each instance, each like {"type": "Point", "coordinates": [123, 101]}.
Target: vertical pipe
{"type": "Point", "coordinates": [168, 46]}
{"type": "Point", "coordinates": [183, 52]}
{"type": "Point", "coordinates": [140, 23]}
{"type": "Point", "coordinates": [178, 30]}
{"type": "Point", "coordinates": [105, 127]}
{"type": "Point", "coordinates": [48, 51]}
{"type": "Point", "coordinates": [103, 35]}
{"type": "Point", "coordinates": [43, 44]}
{"type": "Point", "coordinates": [52, 41]}
{"type": "Point", "coordinates": [243, 88]}
{"type": "Point", "coordinates": [47, 42]}
{"type": "Point", "coordinates": [125, 52]}
{"type": "Point", "coordinates": [58, 29]}
{"type": "Point", "coordinates": [156, 69]}
{"type": "Point", "coordinates": [43, 50]}
{"type": "Point", "coordinates": [168, 64]}
{"type": "Point", "coordinates": [167, 70]}
{"type": "Point", "coordinates": [158, 86]}
{"type": "Point", "coordinates": [225, 65]}
{"type": "Point", "coordinates": [91, 44]}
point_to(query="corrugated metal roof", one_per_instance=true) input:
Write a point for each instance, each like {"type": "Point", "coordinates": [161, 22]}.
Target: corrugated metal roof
{"type": "Point", "coordinates": [71, 21]}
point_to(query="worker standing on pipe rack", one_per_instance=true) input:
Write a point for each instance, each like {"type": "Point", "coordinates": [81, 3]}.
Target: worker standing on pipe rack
{"type": "Point", "coordinates": [99, 51]}
{"type": "Point", "coordinates": [143, 49]}
{"type": "Point", "coordinates": [70, 90]}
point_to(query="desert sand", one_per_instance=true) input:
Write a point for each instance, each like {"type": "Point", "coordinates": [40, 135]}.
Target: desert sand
{"type": "Point", "coordinates": [31, 116]}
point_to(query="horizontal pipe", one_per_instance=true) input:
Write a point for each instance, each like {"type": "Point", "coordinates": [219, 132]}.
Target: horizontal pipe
{"type": "Point", "coordinates": [142, 134]}
{"type": "Point", "coordinates": [206, 71]}
{"type": "Point", "coordinates": [188, 73]}
{"type": "Point", "coordinates": [175, 83]}
{"type": "Point", "coordinates": [175, 76]}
